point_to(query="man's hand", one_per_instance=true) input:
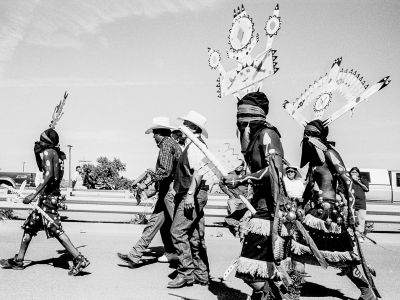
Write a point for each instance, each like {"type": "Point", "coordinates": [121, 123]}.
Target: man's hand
{"type": "Point", "coordinates": [28, 199]}
{"type": "Point", "coordinates": [188, 202]}
{"type": "Point", "coordinates": [231, 181]}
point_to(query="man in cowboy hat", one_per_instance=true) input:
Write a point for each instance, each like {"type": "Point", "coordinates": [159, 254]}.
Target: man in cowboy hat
{"type": "Point", "coordinates": [187, 228]}
{"type": "Point", "coordinates": [162, 176]}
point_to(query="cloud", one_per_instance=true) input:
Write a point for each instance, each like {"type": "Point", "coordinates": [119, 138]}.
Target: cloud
{"type": "Point", "coordinates": [61, 23]}
{"type": "Point", "coordinates": [17, 17]}
{"type": "Point", "coordinates": [86, 82]}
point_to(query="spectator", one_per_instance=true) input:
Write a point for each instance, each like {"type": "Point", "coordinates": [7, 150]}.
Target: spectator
{"type": "Point", "coordinates": [89, 181]}
{"type": "Point", "coordinates": [360, 186]}
{"type": "Point", "coordinates": [77, 179]}
{"type": "Point", "coordinates": [293, 184]}
{"type": "Point", "coordinates": [234, 202]}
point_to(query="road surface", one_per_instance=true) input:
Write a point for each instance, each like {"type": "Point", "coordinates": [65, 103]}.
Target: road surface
{"type": "Point", "coordinates": [108, 278]}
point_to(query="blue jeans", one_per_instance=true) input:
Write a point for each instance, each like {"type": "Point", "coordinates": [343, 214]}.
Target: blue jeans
{"type": "Point", "coordinates": [187, 232]}
{"type": "Point", "coordinates": [160, 220]}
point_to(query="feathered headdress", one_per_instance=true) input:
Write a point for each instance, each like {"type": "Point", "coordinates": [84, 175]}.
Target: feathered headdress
{"type": "Point", "coordinates": [248, 75]}
{"type": "Point", "coordinates": [350, 84]}
{"type": "Point", "coordinates": [58, 112]}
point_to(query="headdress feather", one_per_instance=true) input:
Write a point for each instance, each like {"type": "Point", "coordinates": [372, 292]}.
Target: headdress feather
{"type": "Point", "coordinates": [58, 112]}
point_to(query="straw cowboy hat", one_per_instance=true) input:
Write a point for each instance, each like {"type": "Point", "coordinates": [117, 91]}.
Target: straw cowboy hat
{"type": "Point", "coordinates": [197, 119]}
{"type": "Point", "coordinates": [160, 123]}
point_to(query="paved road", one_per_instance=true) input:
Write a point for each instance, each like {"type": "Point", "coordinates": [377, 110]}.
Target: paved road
{"type": "Point", "coordinates": [47, 277]}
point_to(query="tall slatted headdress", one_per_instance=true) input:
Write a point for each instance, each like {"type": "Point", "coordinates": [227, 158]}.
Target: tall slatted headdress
{"type": "Point", "coordinates": [348, 83]}
{"type": "Point", "coordinates": [250, 72]}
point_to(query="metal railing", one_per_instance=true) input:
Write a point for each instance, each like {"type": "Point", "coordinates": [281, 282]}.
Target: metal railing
{"type": "Point", "coordinates": [122, 202]}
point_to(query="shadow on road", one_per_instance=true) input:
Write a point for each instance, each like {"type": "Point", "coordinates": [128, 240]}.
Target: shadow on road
{"type": "Point", "coordinates": [149, 257]}
{"type": "Point", "coordinates": [311, 289]}
{"type": "Point", "coordinates": [61, 262]}
{"type": "Point", "coordinates": [224, 292]}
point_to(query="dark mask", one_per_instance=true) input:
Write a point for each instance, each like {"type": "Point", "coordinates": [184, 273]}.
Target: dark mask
{"type": "Point", "coordinates": [37, 149]}
{"type": "Point", "coordinates": [308, 153]}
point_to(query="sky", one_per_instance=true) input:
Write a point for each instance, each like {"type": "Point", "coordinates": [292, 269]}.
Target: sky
{"type": "Point", "coordinates": [124, 62]}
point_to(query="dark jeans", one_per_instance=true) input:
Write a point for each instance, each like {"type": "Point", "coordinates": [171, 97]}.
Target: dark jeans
{"type": "Point", "coordinates": [187, 232]}
{"type": "Point", "coordinates": [160, 219]}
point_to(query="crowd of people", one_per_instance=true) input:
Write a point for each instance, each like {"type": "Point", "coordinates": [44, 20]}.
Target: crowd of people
{"type": "Point", "coordinates": [303, 221]}
{"type": "Point", "coordinates": [282, 221]}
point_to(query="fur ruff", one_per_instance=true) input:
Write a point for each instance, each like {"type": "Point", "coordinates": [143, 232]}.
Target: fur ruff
{"type": "Point", "coordinates": [319, 224]}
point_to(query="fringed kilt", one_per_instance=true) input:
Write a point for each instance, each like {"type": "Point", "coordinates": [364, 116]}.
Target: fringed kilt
{"type": "Point", "coordinates": [35, 222]}
{"type": "Point", "coordinates": [325, 223]}
{"type": "Point", "coordinates": [256, 261]}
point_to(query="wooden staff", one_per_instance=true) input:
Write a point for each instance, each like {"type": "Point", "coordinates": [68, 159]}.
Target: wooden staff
{"type": "Point", "coordinates": [34, 205]}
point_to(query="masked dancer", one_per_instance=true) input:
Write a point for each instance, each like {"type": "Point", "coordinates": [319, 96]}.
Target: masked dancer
{"type": "Point", "coordinates": [50, 160]}
{"type": "Point", "coordinates": [329, 219]}
{"type": "Point", "coordinates": [263, 152]}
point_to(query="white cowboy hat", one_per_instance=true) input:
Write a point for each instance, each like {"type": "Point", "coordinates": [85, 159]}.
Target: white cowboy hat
{"type": "Point", "coordinates": [197, 119]}
{"type": "Point", "coordinates": [160, 123]}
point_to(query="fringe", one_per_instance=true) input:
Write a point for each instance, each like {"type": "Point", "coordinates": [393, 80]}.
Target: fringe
{"type": "Point", "coordinates": [256, 268]}
{"type": "Point", "coordinates": [279, 248]}
{"type": "Point", "coordinates": [330, 256]}
{"type": "Point", "coordinates": [284, 231]}
{"type": "Point", "coordinates": [319, 224]}
{"type": "Point", "coordinates": [258, 226]}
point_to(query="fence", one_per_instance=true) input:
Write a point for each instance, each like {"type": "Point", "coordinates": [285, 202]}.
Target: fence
{"type": "Point", "coordinates": [122, 203]}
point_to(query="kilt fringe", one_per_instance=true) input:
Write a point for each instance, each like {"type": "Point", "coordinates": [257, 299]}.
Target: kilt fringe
{"type": "Point", "coordinates": [319, 224]}
{"type": "Point", "coordinates": [330, 256]}
{"type": "Point", "coordinates": [279, 249]}
{"type": "Point", "coordinates": [257, 268]}
{"type": "Point", "coordinates": [258, 226]}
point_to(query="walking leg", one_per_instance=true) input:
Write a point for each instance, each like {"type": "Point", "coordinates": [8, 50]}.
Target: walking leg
{"type": "Point", "coordinates": [361, 282]}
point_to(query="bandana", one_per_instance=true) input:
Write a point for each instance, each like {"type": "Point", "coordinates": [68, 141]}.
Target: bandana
{"type": "Point", "coordinates": [49, 139]}
{"type": "Point", "coordinates": [253, 107]}
{"type": "Point", "coordinates": [315, 143]}
{"type": "Point", "coordinates": [316, 128]}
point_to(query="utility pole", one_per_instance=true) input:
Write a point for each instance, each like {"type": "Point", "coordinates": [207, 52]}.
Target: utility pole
{"type": "Point", "coordinates": [23, 166]}
{"type": "Point", "coordinates": [69, 164]}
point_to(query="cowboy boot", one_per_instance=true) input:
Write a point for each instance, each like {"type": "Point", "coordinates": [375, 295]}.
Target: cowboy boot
{"type": "Point", "coordinates": [359, 280]}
